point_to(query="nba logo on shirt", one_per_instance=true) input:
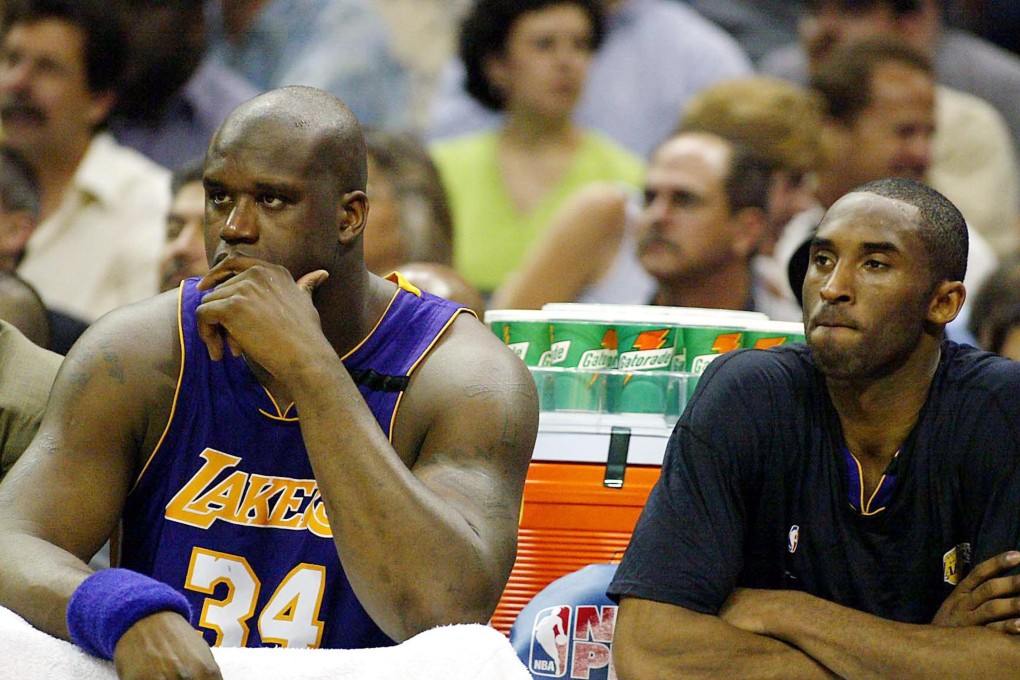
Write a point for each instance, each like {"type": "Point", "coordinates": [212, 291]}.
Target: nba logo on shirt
{"type": "Point", "coordinates": [550, 642]}
{"type": "Point", "coordinates": [793, 538]}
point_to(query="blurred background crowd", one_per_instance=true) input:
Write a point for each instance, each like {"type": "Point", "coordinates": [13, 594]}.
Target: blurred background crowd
{"type": "Point", "coordinates": [520, 151]}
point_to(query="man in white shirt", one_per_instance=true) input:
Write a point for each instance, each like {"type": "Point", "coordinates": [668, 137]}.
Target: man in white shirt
{"type": "Point", "coordinates": [102, 205]}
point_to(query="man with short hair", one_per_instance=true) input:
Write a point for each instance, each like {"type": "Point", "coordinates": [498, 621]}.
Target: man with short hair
{"type": "Point", "coordinates": [184, 252]}
{"type": "Point", "coordinates": [880, 100]}
{"type": "Point", "coordinates": [830, 509]}
{"type": "Point", "coordinates": [289, 426]}
{"type": "Point", "coordinates": [102, 205]}
{"type": "Point", "coordinates": [974, 151]}
{"type": "Point", "coordinates": [962, 61]}
{"type": "Point", "coordinates": [702, 221]}
{"type": "Point", "coordinates": [589, 252]}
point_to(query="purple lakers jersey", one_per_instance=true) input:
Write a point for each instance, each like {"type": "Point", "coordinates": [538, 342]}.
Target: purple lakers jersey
{"type": "Point", "coordinates": [227, 509]}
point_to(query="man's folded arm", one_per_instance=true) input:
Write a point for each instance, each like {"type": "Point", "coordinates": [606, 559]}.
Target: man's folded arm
{"type": "Point", "coordinates": [855, 644]}
{"type": "Point", "coordinates": [658, 640]}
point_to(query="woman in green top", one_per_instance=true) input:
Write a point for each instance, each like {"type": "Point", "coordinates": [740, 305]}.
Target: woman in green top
{"type": "Point", "coordinates": [528, 58]}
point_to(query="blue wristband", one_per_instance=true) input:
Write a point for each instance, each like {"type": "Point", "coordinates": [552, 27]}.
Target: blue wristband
{"type": "Point", "coordinates": [110, 601]}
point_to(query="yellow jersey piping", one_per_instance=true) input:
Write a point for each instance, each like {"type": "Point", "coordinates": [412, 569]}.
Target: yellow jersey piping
{"type": "Point", "coordinates": [866, 510]}
{"type": "Point", "coordinates": [177, 390]}
{"type": "Point", "coordinates": [440, 334]}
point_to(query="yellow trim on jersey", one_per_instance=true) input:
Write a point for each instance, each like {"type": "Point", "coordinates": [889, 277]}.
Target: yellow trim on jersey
{"type": "Point", "coordinates": [280, 415]}
{"type": "Point", "coordinates": [866, 510]}
{"type": "Point", "coordinates": [177, 390]}
{"type": "Point", "coordinates": [402, 284]}
{"type": "Point", "coordinates": [398, 278]}
{"type": "Point", "coordinates": [440, 334]}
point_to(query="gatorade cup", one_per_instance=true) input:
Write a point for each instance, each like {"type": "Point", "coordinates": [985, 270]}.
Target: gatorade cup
{"type": "Point", "coordinates": [582, 351]}
{"type": "Point", "coordinates": [527, 333]}
{"type": "Point", "coordinates": [702, 344]}
{"type": "Point", "coordinates": [645, 381]}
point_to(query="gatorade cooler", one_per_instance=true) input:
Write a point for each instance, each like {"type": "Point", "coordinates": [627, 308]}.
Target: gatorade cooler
{"type": "Point", "coordinates": [582, 498]}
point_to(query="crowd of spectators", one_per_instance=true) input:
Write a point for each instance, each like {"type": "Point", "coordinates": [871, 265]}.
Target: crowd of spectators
{"type": "Point", "coordinates": [519, 152]}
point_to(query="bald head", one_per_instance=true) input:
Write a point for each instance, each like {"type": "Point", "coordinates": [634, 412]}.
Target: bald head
{"type": "Point", "coordinates": [302, 120]}
{"type": "Point", "coordinates": [445, 282]}
{"type": "Point", "coordinates": [21, 306]}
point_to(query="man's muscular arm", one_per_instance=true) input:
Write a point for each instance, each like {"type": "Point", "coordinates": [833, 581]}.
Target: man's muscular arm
{"type": "Point", "coordinates": [787, 634]}
{"type": "Point", "coordinates": [63, 498]}
{"type": "Point", "coordinates": [968, 639]}
{"type": "Point", "coordinates": [657, 640]}
{"type": "Point", "coordinates": [433, 544]}
{"type": "Point", "coordinates": [423, 545]}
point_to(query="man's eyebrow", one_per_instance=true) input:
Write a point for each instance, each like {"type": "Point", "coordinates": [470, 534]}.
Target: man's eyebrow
{"type": "Point", "coordinates": [879, 247]}
{"type": "Point", "coordinates": [866, 247]}
{"type": "Point", "coordinates": [274, 188]}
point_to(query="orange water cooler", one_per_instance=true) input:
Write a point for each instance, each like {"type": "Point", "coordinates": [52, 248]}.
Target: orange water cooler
{"type": "Point", "coordinates": [590, 476]}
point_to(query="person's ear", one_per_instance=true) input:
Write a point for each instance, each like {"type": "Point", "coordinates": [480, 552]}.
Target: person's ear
{"type": "Point", "coordinates": [352, 214]}
{"type": "Point", "coordinates": [495, 70]}
{"type": "Point", "coordinates": [100, 107]}
{"type": "Point", "coordinates": [946, 302]}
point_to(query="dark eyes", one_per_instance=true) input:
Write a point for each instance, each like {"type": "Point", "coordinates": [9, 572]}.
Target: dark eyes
{"type": "Point", "coordinates": [270, 201]}
{"type": "Point", "coordinates": [825, 260]}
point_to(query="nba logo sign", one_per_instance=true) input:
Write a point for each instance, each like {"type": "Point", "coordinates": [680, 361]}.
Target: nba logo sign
{"type": "Point", "coordinates": [550, 642]}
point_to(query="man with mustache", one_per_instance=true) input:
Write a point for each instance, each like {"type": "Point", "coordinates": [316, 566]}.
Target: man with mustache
{"type": "Point", "coordinates": [845, 507]}
{"type": "Point", "coordinates": [102, 205]}
{"type": "Point", "coordinates": [702, 221]}
{"type": "Point", "coordinates": [184, 252]}
{"type": "Point", "coordinates": [298, 452]}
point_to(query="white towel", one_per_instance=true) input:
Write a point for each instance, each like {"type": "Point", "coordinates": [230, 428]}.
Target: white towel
{"type": "Point", "coordinates": [460, 652]}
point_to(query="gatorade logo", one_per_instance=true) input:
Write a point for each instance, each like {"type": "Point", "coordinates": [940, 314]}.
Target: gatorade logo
{"type": "Point", "coordinates": [650, 354]}
{"type": "Point", "coordinates": [723, 343]}
{"type": "Point", "coordinates": [649, 340]}
{"type": "Point", "coordinates": [606, 357]}
{"type": "Point", "coordinates": [726, 342]}
{"type": "Point", "coordinates": [582, 651]}
{"type": "Point", "coordinates": [598, 358]}
{"type": "Point", "coordinates": [765, 343]}
{"type": "Point", "coordinates": [520, 349]}
{"type": "Point", "coordinates": [646, 361]}
{"type": "Point", "coordinates": [559, 351]}
{"type": "Point", "coordinates": [699, 364]}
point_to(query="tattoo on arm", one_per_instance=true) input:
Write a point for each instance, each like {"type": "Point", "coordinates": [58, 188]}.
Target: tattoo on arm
{"type": "Point", "coordinates": [504, 386]}
{"type": "Point", "coordinates": [459, 480]}
{"type": "Point", "coordinates": [113, 368]}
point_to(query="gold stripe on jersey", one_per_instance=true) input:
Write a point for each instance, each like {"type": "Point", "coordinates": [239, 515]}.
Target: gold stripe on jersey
{"type": "Point", "coordinates": [177, 390]}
